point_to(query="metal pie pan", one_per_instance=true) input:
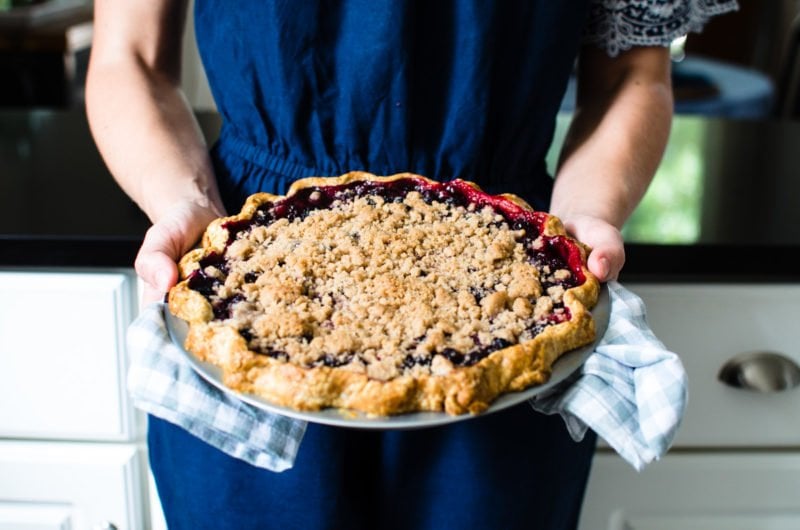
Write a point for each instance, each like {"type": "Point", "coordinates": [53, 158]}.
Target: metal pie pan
{"type": "Point", "coordinates": [565, 366]}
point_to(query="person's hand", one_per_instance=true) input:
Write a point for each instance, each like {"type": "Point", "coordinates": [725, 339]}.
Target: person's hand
{"type": "Point", "coordinates": [608, 253]}
{"type": "Point", "coordinates": [170, 237]}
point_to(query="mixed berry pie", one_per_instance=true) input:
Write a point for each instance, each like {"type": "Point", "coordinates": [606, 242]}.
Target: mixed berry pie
{"type": "Point", "coordinates": [385, 295]}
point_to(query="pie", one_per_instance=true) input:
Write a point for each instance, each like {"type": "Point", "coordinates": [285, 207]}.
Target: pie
{"type": "Point", "coordinates": [385, 295]}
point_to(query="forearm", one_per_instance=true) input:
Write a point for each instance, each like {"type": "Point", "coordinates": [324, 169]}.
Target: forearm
{"type": "Point", "coordinates": [141, 122]}
{"type": "Point", "coordinates": [149, 139]}
{"type": "Point", "coordinates": [614, 145]}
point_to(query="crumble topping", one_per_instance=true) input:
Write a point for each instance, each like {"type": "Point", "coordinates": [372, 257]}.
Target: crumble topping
{"type": "Point", "coordinates": [386, 288]}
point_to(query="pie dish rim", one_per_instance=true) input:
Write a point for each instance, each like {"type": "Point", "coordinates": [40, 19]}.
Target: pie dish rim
{"type": "Point", "coordinates": [564, 367]}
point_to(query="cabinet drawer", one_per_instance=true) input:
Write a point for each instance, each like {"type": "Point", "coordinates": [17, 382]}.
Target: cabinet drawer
{"type": "Point", "coordinates": [62, 355]}
{"type": "Point", "coordinates": [709, 324]}
{"type": "Point", "coordinates": [695, 491]}
{"type": "Point", "coordinates": [71, 485]}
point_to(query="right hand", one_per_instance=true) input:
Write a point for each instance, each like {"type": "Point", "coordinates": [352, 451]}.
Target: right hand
{"type": "Point", "coordinates": [170, 237]}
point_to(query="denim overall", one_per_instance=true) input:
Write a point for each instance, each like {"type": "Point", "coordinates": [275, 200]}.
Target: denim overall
{"type": "Point", "coordinates": [447, 89]}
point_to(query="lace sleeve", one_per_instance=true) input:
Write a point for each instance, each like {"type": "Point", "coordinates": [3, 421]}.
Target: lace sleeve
{"type": "Point", "coordinates": [618, 25]}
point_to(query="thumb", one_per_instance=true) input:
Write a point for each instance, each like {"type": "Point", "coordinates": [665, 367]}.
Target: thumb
{"type": "Point", "coordinates": [606, 258]}
{"type": "Point", "coordinates": [608, 252]}
{"type": "Point", "coordinates": [157, 269]}
{"type": "Point", "coordinates": [156, 261]}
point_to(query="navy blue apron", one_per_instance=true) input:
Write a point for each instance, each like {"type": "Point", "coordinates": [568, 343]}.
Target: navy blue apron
{"type": "Point", "coordinates": [461, 89]}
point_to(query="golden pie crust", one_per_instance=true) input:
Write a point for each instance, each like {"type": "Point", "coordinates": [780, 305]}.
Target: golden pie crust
{"type": "Point", "coordinates": [384, 305]}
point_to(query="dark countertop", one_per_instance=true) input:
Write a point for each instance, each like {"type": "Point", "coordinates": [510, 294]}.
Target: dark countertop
{"type": "Point", "coordinates": [724, 206]}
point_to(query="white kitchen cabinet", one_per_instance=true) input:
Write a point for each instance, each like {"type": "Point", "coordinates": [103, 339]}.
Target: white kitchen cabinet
{"type": "Point", "coordinates": [735, 463]}
{"type": "Point", "coordinates": [710, 324]}
{"type": "Point", "coordinates": [72, 453]}
{"type": "Point", "coordinates": [708, 491]}
{"type": "Point", "coordinates": [69, 485]}
{"type": "Point", "coordinates": [62, 355]}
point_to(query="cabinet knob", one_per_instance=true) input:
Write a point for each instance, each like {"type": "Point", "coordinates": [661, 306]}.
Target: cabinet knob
{"type": "Point", "coordinates": [760, 371]}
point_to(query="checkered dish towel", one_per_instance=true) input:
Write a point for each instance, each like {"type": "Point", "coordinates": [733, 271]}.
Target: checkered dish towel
{"type": "Point", "coordinates": [631, 391]}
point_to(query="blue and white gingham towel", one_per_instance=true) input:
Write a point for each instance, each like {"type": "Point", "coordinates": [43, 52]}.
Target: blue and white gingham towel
{"type": "Point", "coordinates": [631, 391]}
{"type": "Point", "coordinates": [163, 383]}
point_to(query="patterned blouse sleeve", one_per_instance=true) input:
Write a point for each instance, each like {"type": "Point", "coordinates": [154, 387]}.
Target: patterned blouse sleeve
{"type": "Point", "coordinates": [619, 25]}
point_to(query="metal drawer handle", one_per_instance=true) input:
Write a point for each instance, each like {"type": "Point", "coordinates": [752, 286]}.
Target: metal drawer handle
{"type": "Point", "coordinates": [760, 371]}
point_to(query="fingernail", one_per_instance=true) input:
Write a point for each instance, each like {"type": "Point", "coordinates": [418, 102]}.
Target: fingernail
{"type": "Point", "coordinates": [604, 267]}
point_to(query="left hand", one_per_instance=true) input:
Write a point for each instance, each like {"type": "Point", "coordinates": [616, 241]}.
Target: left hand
{"type": "Point", "coordinates": [608, 252]}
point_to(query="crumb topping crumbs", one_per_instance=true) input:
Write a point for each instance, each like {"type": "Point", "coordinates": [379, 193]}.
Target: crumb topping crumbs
{"type": "Point", "coordinates": [385, 288]}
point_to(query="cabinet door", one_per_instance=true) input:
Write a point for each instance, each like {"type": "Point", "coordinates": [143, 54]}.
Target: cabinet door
{"type": "Point", "coordinates": [71, 486]}
{"type": "Point", "coordinates": [35, 516]}
{"type": "Point", "coordinates": [732, 491]}
{"type": "Point", "coordinates": [709, 324]}
{"type": "Point", "coordinates": [62, 355]}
